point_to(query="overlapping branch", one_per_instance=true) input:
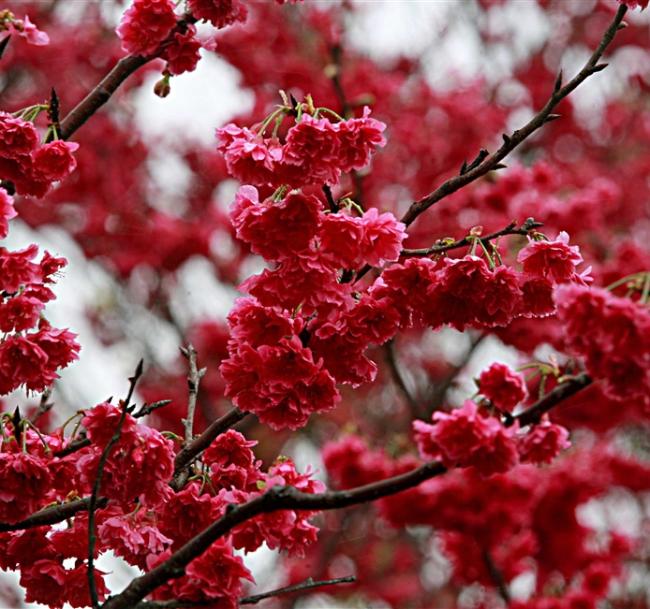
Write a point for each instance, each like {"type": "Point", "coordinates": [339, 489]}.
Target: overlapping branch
{"type": "Point", "coordinates": [485, 162]}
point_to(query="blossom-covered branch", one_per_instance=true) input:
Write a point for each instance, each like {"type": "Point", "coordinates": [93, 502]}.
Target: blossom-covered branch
{"type": "Point", "coordinates": [486, 163]}
{"type": "Point", "coordinates": [442, 246]}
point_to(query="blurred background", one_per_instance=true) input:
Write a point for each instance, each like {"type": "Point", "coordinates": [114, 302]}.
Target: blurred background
{"type": "Point", "coordinates": [154, 263]}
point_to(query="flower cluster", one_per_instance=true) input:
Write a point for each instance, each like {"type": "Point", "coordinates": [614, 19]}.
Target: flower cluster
{"type": "Point", "coordinates": [269, 372]}
{"type": "Point", "coordinates": [468, 437]}
{"type": "Point", "coordinates": [144, 519]}
{"type": "Point", "coordinates": [612, 334]}
{"type": "Point", "coordinates": [32, 167]}
{"type": "Point", "coordinates": [315, 151]}
{"type": "Point", "coordinates": [30, 358]}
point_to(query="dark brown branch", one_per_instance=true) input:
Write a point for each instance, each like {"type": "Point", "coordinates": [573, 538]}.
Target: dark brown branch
{"type": "Point", "coordinates": [277, 498]}
{"type": "Point", "coordinates": [308, 584]}
{"type": "Point", "coordinates": [73, 447]}
{"type": "Point", "coordinates": [560, 393]}
{"type": "Point", "coordinates": [51, 515]}
{"type": "Point", "coordinates": [497, 577]}
{"type": "Point", "coordinates": [441, 247]}
{"type": "Point", "coordinates": [400, 381]}
{"type": "Point", "coordinates": [100, 94]}
{"type": "Point", "coordinates": [438, 394]}
{"type": "Point", "coordinates": [510, 142]}
{"type": "Point", "coordinates": [200, 443]}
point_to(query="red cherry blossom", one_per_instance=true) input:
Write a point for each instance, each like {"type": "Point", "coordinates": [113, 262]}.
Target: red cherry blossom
{"type": "Point", "coordinates": [502, 386]}
{"type": "Point", "coordinates": [7, 212]}
{"type": "Point", "coordinates": [54, 161]}
{"type": "Point", "coordinates": [219, 12]}
{"type": "Point", "coordinates": [145, 25]}
{"type": "Point", "coordinates": [182, 52]}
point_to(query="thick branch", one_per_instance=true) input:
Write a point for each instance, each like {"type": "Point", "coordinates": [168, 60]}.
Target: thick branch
{"type": "Point", "coordinates": [100, 94]}
{"type": "Point", "coordinates": [510, 142]}
{"type": "Point", "coordinates": [277, 498]}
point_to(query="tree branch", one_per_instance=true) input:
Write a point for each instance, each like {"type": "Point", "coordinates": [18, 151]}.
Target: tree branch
{"type": "Point", "coordinates": [100, 94]}
{"type": "Point", "coordinates": [400, 381]}
{"type": "Point", "coordinates": [277, 498]}
{"type": "Point", "coordinates": [510, 142]}
{"type": "Point", "coordinates": [308, 584]}
{"type": "Point", "coordinates": [52, 515]}
{"type": "Point", "coordinates": [194, 377]}
{"type": "Point", "coordinates": [92, 503]}
{"type": "Point", "coordinates": [441, 247]}
{"type": "Point", "coordinates": [200, 443]}
{"type": "Point", "coordinates": [560, 393]}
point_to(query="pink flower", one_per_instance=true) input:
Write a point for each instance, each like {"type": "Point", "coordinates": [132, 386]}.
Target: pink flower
{"type": "Point", "coordinates": [145, 25]}
{"type": "Point", "coordinates": [7, 212]}
{"type": "Point", "coordinates": [635, 3]}
{"type": "Point", "coordinates": [18, 269]}
{"type": "Point", "coordinates": [612, 334]}
{"type": "Point", "coordinates": [132, 538]}
{"type": "Point", "coordinates": [358, 139]}
{"type": "Point", "coordinates": [249, 157]}
{"type": "Point", "coordinates": [24, 485]}
{"type": "Point", "coordinates": [182, 52]}
{"type": "Point", "coordinates": [383, 237]}
{"type": "Point", "coordinates": [349, 462]}
{"type": "Point", "coordinates": [275, 229]}
{"type": "Point", "coordinates": [543, 443]}
{"type": "Point", "coordinates": [54, 161]}
{"type": "Point", "coordinates": [22, 361]}
{"type": "Point", "coordinates": [20, 313]}
{"type": "Point", "coordinates": [17, 137]}
{"type": "Point", "coordinates": [502, 386]}
{"type": "Point", "coordinates": [552, 260]}
{"type": "Point", "coordinates": [281, 384]}
{"type": "Point", "coordinates": [465, 438]}
{"type": "Point", "coordinates": [219, 12]}
{"type": "Point", "coordinates": [26, 29]}
{"type": "Point", "coordinates": [311, 152]}
{"type": "Point", "coordinates": [101, 423]}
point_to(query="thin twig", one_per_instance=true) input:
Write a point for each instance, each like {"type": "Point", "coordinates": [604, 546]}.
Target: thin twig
{"type": "Point", "coordinates": [441, 247]}
{"type": "Point", "coordinates": [400, 381]}
{"type": "Point", "coordinates": [510, 142]}
{"type": "Point", "coordinates": [308, 584]}
{"type": "Point", "coordinates": [560, 393]}
{"type": "Point", "coordinates": [439, 393]}
{"type": "Point", "coordinates": [92, 504]}
{"type": "Point", "coordinates": [73, 447]}
{"type": "Point", "coordinates": [194, 377]}
{"type": "Point", "coordinates": [147, 409]}
{"type": "Point", "coordinates": [201, 442]}
{"type": "Point", "coordinates": [497, 577]}
{"type": "Point", "coordinates": [43, 406]}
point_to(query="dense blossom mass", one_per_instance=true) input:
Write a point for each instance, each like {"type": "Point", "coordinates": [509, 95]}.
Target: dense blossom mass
{"type": "Point", "coordinates": [378, 265]}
